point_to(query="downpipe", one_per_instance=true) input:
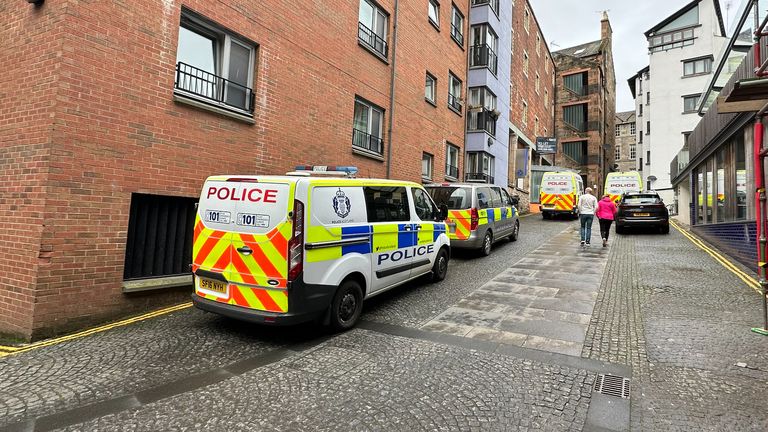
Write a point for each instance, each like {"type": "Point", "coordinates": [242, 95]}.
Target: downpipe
{"type": "Point", "coordinates": [760, 213]}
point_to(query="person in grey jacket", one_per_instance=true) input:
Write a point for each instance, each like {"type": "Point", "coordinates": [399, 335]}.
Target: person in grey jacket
{"type": "Point", "coordinates": [587, 208]}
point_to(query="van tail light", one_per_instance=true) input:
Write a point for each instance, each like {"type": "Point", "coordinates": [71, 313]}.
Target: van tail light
{"type": "Point", "coordinates": [474, 219]}
{"type": "Point", "coordinates": [296, 244]}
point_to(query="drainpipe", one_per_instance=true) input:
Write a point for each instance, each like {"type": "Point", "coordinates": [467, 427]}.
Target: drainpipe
{"type": "Point", "coordinates": [392, 93]}
{"type": "Point", "coordinates": [759, 154]}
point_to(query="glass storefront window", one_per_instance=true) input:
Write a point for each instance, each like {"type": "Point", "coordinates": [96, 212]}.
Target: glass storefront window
{"type": "Point", "coordinates": [741, 180]}
{"type": "Point", "coordinates": [721, 192]}
{"type": "Point", "coordinates": [699, 196]}
{"type": "Point", "coordinates": [709, 189]}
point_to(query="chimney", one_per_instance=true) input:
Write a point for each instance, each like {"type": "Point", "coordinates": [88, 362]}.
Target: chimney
{"type": "Point", "coordinates": [605, 27]}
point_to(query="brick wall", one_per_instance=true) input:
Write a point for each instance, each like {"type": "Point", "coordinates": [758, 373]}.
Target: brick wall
{"type": "Point", "coordinates": [102, 124]}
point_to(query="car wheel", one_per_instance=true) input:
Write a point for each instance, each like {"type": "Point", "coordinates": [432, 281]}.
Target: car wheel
{"type": "Point", "coordinates": [515, 231]}
{"type": "Point", "coordinates": [347, 306]}
{"type": "Point", "coordinates": [440, 268]}
{"type": "Point", "coordinates": [485, 249]}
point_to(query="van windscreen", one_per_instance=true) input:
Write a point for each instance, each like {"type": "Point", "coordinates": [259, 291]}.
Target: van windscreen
{"type": "Point", "coordinates": [455, 197]}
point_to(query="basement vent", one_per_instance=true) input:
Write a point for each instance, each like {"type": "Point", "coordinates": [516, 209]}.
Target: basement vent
{"type": "Point", "coordinates": [611, 385]}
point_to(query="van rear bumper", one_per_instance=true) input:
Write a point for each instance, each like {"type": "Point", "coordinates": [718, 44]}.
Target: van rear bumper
{"type": "Point", "coordinates": [305, 303]}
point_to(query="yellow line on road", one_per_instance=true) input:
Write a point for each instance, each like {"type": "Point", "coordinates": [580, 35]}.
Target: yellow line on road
{"type": "Point", "coordinates": [8, 350]}
{"type": "Point", "coordinates": [749, 280]}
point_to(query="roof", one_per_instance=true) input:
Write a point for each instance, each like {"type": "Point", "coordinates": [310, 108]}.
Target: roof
{"type": "Point", "coordinates": [685, 9]}
{"type": "Point", "coordinates": [631, 80]}
{"type": "Point", "coordinates": [624, 117]}
{"type": "Point", "coordinates": [584, 50]}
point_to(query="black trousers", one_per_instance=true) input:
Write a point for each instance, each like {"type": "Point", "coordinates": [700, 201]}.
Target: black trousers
{"type": "Point", "coordinates": [605, 228]}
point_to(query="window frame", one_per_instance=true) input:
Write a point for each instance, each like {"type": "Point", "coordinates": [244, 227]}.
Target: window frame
{"type": "Point", "coordinates": [686, 98]}
{"type": "Point", "coordinates": [433, 100]}
{"type": "Point", "coordinates": [371, 205]}
{"type": "Point", "coordinates": [434, 4]}
{"type": "Point", "coordinates": [449, 149]}
{"type": "Point", "coordinates": [632, 151]}
{"type": "Point", "coordinates": [371, 107]}
{"type": "Point", "coordinates": [430, 159]}
{"type": "Point", "coordinates": [452, 81]}
{"type": "Point", "coordinates": [706, 62]}
{"type": "Point", "coordinates": [378, 12]}
{"type": "Point", "coordinates": [617, 153]}
{"type": "Point", "coordinates": [455, 11]}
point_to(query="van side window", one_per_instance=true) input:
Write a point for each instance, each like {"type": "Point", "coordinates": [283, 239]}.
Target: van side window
{"type": "Point", "coordinates": [496, 197]}
{"type": "Point", "coordinates": [505, 200]}
{"type": "Point", "coordinates": [386, 204]}
{"type": "Point", "coordinates": [484, 198]}
{"type": "Point", "coordinates": [423, 205]}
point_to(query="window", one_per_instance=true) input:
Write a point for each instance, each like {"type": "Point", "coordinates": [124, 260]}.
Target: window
{"type": "Point", "coordinates": [451, 161]}
{"type": "Point", "coordinates": [741, 178]}
{"type": "Point", "coordinates": [632, 129]}
{"type": "Point", "coordinates": [457, 26]}
{"type": "Point", "coordinates": [648, 158]}
{"type": "Point", "coordinates": [430, 88]}
{"type": "Point", "coordinates": [640, 165]}
{"type": "Point", "coordinates": [538, 45]}
{"type": "Point", "coordinates": [484, 198]}
{"type": "Point", "coordinates": [546, 98]}
{"type": "Point", "coordinates": [535, 126]}
{"type": "Point", "coordinates": [618, 130]}
{"type": "Point", "coordinates": [426, 166]}
{"type": "Point", "coordinates": [640, 138]}
{"type": "Point", "coordinates": [434, 13]}
{"type": "Point", "coordinates": [386, 204]}
{"type": "Point", "coordinates": [481, 115]}
{"type": "Point", "coordinates": [525, 63]}
{"type": "Point", "coordinates": [496, 199]}
{"type": "Point", "coordinates": [632, 151]}
{"type": "Point", "coordinates": [690, 102]}
{"type": "Point", "coordinates": [648, 127]}
{"type": "Point", "coordinates": [697, 66]}
{"type": "Point", "coordinates": [667, 41]}
{"type": "Point", "coordinates": [527, 20]}
{"type": "Point", "coordinates": [577, 83]}
{"type": "Point", "coordinates": [723, 200]}
{"type": "Point", "coordinates": [213, 66]}
{"type": "Point", "coordinates": [648, 98]}
{"type": "Point", "coordinates": [640, 110]}
{"type": "Point", "coordinates": [525, 113]}
{"type": "Point", "coordinates": [159, 236]}
{"type": "Point", "coordinates": [455, 198]}
{"type": "Point", "coordinates": [617, 156]}
{"type": "Point", "coordinates": [484, 45]}
{"type": "Point", "coordinates": [479, 166]}
{"type": "Point", "coordinates": [537, 84]}
{"type": "Point", "coordinates": [576, 150]}
{"type": "Point", "coordinates": [454, 92]}
{"type": "Point", "coordinates": [494, 4]}
{"type": "Point", "coordinates": [423, 205]}
{"type": "Point", "coordinates": [366, 132]}
{"type": "Point", "coordinates": [372, 28]}
{"type": "Point", "coordinates": [575, 116]}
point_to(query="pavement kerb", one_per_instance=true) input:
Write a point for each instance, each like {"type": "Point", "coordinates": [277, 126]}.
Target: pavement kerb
{"type": "Point", "coordinates": [9, 350]}
{"type": "Point", "coordinates": [747, 279]}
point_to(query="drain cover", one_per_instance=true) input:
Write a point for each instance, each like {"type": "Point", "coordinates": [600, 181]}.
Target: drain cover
{"type": "Point", "coordinates": [611, 385]}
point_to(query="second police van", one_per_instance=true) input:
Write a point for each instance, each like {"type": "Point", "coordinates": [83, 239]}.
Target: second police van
{"type": "Point", "coordinates": [619, 183]}
{"type": "Point", "coordinates": [559, 193]}
{"type": "Point", "coordinates": [288, 249]}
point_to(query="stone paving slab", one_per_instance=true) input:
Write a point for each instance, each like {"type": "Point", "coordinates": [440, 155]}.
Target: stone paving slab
{"type": "Point", "coordinates": [544, 301]}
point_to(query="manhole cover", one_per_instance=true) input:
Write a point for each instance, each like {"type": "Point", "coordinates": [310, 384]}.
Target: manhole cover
{"type": "Point", "coordinates": [611, 385]}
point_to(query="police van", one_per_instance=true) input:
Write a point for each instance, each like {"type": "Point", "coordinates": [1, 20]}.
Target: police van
{"type": "Point", "coordinates": [619, 183]}
{"type": "Point", "coordinates": [559, 194]}
{"type": "Point", "coordinates": [293, 248]}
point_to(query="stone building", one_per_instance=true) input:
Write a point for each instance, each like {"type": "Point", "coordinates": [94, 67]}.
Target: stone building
{"type": "Point", "coordinates": [585, 88]}
{"type": "Point", "coordinates": [112, 115]}
{"type": "Point", "coordinates": [625, 147]}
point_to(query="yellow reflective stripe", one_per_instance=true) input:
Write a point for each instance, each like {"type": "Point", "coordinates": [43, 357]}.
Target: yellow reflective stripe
{"type": "Point", "coordinates": [482, 216]}
{"type": "Point", "coordinates": [385, 237]}
{"type": "Point", "coordinates": [279, 298]}
{"type": "Point", "coordinates": [318, 234]}
{"type": "Point", "coordinates": [250, 297]}
{"type": "Point", "coordinates": [426, 233]}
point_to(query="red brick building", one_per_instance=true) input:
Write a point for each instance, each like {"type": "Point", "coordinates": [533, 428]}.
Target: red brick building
{"type": "Point", "coordinates": [586, 107]}
{"type": "Point", "coordinates": [112, 114]}
{"type": "Point", "coordinates": [532, 95]}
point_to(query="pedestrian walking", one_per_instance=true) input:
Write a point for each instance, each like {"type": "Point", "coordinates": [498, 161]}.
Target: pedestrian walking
{"type": "Point", "coordinates": [606, 211]}
{"type": "Point", "coordinates": [587, 208]}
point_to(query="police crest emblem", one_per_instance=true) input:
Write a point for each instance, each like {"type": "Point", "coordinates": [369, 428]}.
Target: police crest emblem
{"type": "Point", "coordinates": [341, 204]}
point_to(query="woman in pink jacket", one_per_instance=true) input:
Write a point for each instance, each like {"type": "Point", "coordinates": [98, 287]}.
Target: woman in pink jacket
{"type": "Point", "coordinates": [606, 210]}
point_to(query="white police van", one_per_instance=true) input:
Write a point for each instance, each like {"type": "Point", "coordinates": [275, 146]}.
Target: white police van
{"type": "Point", "coordinates": [287, 249]}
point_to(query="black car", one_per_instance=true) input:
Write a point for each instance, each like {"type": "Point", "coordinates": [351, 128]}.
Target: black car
{"type": "Point", "coordinates": [642, 209]}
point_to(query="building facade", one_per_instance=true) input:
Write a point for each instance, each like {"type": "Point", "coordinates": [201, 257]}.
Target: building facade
{"type": "Point", "coordinates": [490, 47]}
{"type": "Point", "coordinates": [585, 87]}
{"type": "Point", "coordinates": [625, 147]}
{"type": "Point", "coordinates": [639, 85]}
{"type": "Point", "coordinates": [682, 49]}
{"type": "Point", "coordinates": [532, 90]}
{"type": "Point", "coordinates": [113, 119]}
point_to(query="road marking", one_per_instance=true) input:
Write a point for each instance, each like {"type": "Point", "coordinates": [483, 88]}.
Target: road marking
{"type": "Point", "coordinates": [8, 350]}
{"type": "Point", "coordinates": [749, 280]}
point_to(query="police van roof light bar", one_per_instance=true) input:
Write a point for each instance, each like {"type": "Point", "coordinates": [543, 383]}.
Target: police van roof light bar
{"type": "Point", "coordinates": [330, 170]}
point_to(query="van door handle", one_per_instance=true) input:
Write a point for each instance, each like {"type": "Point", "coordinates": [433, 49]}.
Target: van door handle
{"type": "Point", "coordinates": [418, 227]}
{"type": "Point", "coordinates": [407, 228]}
{"type": "Point", "coordinates": [245, 250]}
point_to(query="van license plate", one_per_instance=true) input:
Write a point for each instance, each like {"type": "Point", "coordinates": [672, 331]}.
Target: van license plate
{"type": "Point", "coordinates": [212, 285]}
{"type": "Point", "coordinates": [642, 214]}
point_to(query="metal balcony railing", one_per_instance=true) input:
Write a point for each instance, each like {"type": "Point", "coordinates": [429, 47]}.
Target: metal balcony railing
{"type": "Point", "coordinates": [457, 35]}
{"type": "Point", "coordinates": [482, 120]}
{"type": "Point", "coordinates": [454, 102]}
{"type": "Point", "coordinates": [494, 4]}
{"type": "Point", "coordinates": [452, 171]}
{"type": "Point", "coordinates": [483, 55]}
{"type": "Point", "coordinates": [578, 126]}
{"type": "Point", "coordinates": [371, 39]}
{"type": "Point", "coordinates": [367, 141]}
{"type": "Point", "coordinates": [470, 176]}
{"type": "Point", "coordinates": [213, 89]}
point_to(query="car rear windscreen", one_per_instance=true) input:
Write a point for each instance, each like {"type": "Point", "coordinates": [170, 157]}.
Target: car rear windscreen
{"type": "Point", "coordinates": [641, 199]}
{"type": "Point", "coordinates": [455, 197]}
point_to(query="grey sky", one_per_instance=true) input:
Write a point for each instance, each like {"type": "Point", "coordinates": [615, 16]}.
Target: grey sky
{"type": "Point", "coordinates": [573, 22]}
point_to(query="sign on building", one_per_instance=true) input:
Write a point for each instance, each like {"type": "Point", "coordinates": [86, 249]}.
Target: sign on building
{"type": "Point", "coordinates": [546, 145]}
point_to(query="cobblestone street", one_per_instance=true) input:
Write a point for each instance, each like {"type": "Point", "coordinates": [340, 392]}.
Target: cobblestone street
{"type": "Point", "coordinates": [514, 341]}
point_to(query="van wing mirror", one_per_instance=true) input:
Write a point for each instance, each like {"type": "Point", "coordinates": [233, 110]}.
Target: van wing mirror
{"type": "Point", "coordinates": [514, 200]}
{"type": "Point", "coordinates": [443, 212]}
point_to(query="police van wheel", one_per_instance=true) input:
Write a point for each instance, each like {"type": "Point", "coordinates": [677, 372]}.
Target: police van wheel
{"type": "Point", "coordinates": [485, 249]}
{"type": "Point", "coordinates": [440, 268]}
{"type": "Point", "coordinates": [515, 232]}
{"type": "Point", "coordinates": [347, 306]}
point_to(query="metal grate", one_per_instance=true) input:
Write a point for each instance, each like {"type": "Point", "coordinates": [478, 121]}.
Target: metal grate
{"type": "Point", "coordinates": [611, 385]}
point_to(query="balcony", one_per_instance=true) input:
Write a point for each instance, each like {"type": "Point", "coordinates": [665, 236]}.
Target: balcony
{"type": "Point", "coordinates": [482, 120]}
{"type": "Point", "coordinates": [483, 56]}
{"type": "Point", "coordinates": [454, 102]}
{"type": "Point", "coordinates": [452, 171]}
{"type": "Point", "coordinates": [494, 4]}
{"type": "Point", "coordinates": [213, 89]}
{"type": "Point", "coordinates": [478, 177]}
{"type": "Point", "coordinates": [367, 142]}
{"type": "Point", "coordinates": [372, 40]}
{"type": "Point", "coordinates": [578, 126]}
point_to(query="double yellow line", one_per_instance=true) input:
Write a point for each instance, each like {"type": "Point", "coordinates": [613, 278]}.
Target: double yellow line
{"type": "Point", "coordinates": [749, 280]}
{"type": "Point", "coordinates": [8, 350]}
